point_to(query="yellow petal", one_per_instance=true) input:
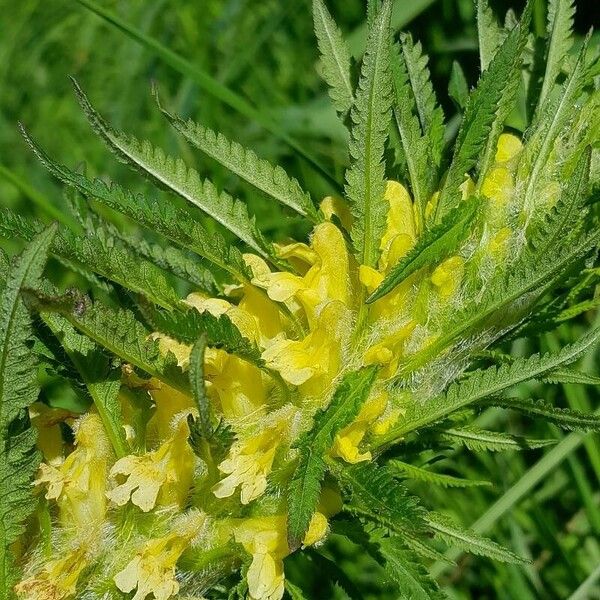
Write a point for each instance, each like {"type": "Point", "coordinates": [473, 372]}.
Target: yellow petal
{"type": "Point", "coordinates": [509, 146]}
{"type": "Point", "coordinates": [448, 275]}
{"type": "Point", "coordinates": [336, 206]}
{"type": "Point", "coordinates": [498, 185]}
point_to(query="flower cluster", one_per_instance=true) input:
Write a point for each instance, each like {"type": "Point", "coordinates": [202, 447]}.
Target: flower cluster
{"type": "Point", "coordinates": [143, 516]}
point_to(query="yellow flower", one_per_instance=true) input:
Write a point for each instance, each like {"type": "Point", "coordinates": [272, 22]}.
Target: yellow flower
{"type": "Point", "coordinates": [57, 579]}
{"type": "Point", "coordinates": [509, 146]}
{"type": "Point", "coordinates": [265, 538]}
{"type": "Point", "coordinates": [79, 483]}
{"type": "Point", "coordinates": [47, 421]}
{"type": "Point", "coordinates": [169, 403]}
{"type": "Point", "coordinates": [370, 418]}
{"type": "Point", "coordinates": [248, 465]}
{"type": "Point", "coordinates": [448, 275]}
{"type": "Point", "coordinates": [498, 185]}
{"type": "Point", "coordinates": [152, 571]}
{"type": "Point", "coordinates": [326, 280]}
{"type": "Point", "coordinates": [238, 387]}
{"type": "Point", "coordinates": [331, 206]}
{"type": "Point", "coordinates": [162, 476]}
{"type": "Point", "coordinates": [317, 357]}
{"type": "Point", "coordinates": [388, 351]}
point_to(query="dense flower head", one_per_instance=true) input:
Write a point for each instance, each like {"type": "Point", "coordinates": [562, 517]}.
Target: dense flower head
{"type": "Point", "coordinates": [274, 406]}
{"type": "Point", "coordinates": [303, 320]}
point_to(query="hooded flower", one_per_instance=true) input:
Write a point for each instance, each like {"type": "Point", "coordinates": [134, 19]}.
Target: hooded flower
{"type": "Point", "coordinates": [152, 570]}
{"type": "Point", "coordinates": [162, 476]}
{"type": "Point", "coordinates": [265, 538]}
{"type": "Point", "coordinates": [78, 484]}
{"type": "Point", "coordinates": [57, 579]}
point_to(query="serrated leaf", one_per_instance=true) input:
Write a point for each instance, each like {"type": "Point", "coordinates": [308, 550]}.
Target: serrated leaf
{"type": "Point", "coordinates": [100, 254]}
{"type": "Point", "coordinates": [19, 458]}
{"type": "Point", "coordinates": [434, 245]}
{"type": "Point", "coordinates": [117, 330]}
{"type": "Point", "coordinates": [365, 179]}
{"type": "Point", "coordinates": [489, 33]}
{"type": "Point", "coordinates": [565, 418]}
{"type": "Point", "coordinates": [482, 440]}
{"type": "Point", "coordinates": [489, 382]}
{"type": "Point", "coordinates": [305, 485]}
{"type": "Point", "coordinates": [431, 116]}
{"type": "Point", "coordinates": [470, 541]}
{"type": "Point", "coordinates": [376, 495]}
{"type": "Point", "coordinates": [102, 380]}
{"type": "Point", "coordinates": [181, 227]}
{"type": "Point", "coordinates": [335, 58]}
{"type": "Point", "coordinates": [420, 474]}
{"type": "Point", "coordinates": [480, 115]}
{"type": "Point", "coordinates": [561, 15]}
{"type": "Point", "coordinates": [188, 325]}
{"type": "Point", "coordinates": [422, 171]}
{"type": "Point", "coordinates": [269, 179]}
{"type": "Point", "coordinates": [407, 571]}
{"type": "Point", "coordinates": [175, 176]}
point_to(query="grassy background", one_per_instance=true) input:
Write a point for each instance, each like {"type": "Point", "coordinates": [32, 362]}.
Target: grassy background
{"type": "Point", "coordinates": [543, 503]}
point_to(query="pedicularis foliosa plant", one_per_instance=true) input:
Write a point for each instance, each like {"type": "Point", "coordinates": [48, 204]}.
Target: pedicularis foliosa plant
{"type": "Point", "coordinates": [289, 396]}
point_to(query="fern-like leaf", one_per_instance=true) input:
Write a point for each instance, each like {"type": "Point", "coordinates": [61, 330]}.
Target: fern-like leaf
{"type": "Point", "coordinates": [174, 175]}
{"type": "Point", "coordinates": [490, 382]}
{"type": "Point", "coordinates": [481, 440]}
{"type": "Point", "coordinates": [565, 418]}
{"type": "Point", "coordinates": [117, 330]}
{"type": "Point", "coordinates": [19, 458]}
{"type": "Point", "coordinates": [431, 116]}
{"type": "Point", "coordinates": [305, 485]}
{"type": "Point", "coordinates": [365, 179]}
{"type": "Point", "coordinates": [373, 493]}
{"type": "Point", "coordinates": [184, 228]}
{"type": "Point", "coordinates": [406, 570]}
{"type": "Point", "coordinates": [271, 180]}
{"type": "Point", "coordinates": [470, 541]}
{"type": "Point", "coordinates": [420, 474]}
{"type": "Point", "coordinates": [480, 115]}
{"type": "Point", "coordinates": [335, 58]}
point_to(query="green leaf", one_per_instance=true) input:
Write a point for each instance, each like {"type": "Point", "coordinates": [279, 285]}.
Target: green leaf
{"type": "Point", "coordinates": [565, 418]}
{"type": "Point", "coordinates": [551, 121]}
{"type": "Point", "coordinates": [375, 494]}
{"type": "Point", "coordinates": [102, 380]}
{"type": "Point", "coordinates": [101, 254]}
{"type": "Point", "coordinates": [422, 171]}
{"type": "Point", "coordinates": [421, 474]}
{"type": "Point", "coordinates": [561, 15]}
{"type": "Point", "coordinates": [458, 88]}
{"type": "Point", "coordinates": [406, 570]}
{"type": "Point", "coordinates": [271, 180]}
{"type": "Point", "coordinates": [305, 486]}
{"type": "Point", "coordinates": [480, 115]}
{"type": "Point", "coordinates": [434, 245]}
{"type": "Point", "coordinates": [489, 32]}
{"type": "Point", "coordinates": [488, 382]}
{"type": "Point", "coordinates": [198, 387]}
{"type": "Point", "coordinates": [188, 325]}
{"type": "Point", "coordinates": [470, 541]}
{"type": "Point", "coordinates": [335, 58]}
{"type": "Point", "coordinates": [481, 440]}
{"type": "Point", "coordinates": [183, 227]}
{"type": "Point", "coordinates": [117, 330]}
{"type": "Point", "coordinates": [19, 459]}
{"type": "Point", "coordinates": [174, 175]}
{"type": "Point", "coordinates": [365, 179]}
{"type": "Point", "coordinates": [431, 116]}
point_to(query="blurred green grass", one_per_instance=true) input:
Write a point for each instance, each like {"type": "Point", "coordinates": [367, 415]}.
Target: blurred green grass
{"type": "Point", "coordinates": [545, 504]}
